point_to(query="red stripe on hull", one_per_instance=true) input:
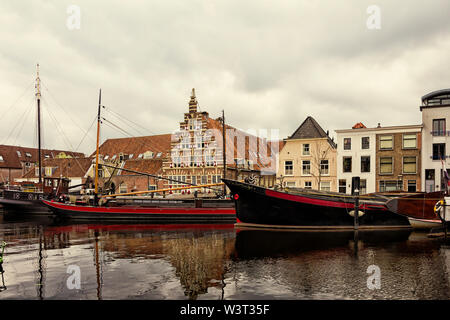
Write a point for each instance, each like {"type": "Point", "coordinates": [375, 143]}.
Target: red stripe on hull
{"type": "Point", "coordinates": [312, 201]}
{"type": "Point", "coordinates": [141, 210]}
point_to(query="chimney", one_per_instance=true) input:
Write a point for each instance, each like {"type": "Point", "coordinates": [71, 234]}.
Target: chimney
{"type": "Point", "coordinates": [379, 125]}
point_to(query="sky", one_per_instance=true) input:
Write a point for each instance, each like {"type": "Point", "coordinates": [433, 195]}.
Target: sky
{"type": "Point", "coordinates": [268, 64]}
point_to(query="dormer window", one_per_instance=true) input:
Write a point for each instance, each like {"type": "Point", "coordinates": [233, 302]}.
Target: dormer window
{"type": "Point", "coordinates": [140, 156]}
{"type": "Point", "coordinates": [113, 157]}
{"type": "Point", "coordinates": [27, 154]}
{"type": "Point", "coordinates": [130, 156]}
{"type": "Point", "coordinates": [46, 156]}
{"type": "Point", "coordinates": [106, 157]}
{"type": "Point", "coordinates": [1, 158]}
{"type": "Point", "coordinates": [159, 154]}
{"type": "Point", "coordinates": [18, 153]}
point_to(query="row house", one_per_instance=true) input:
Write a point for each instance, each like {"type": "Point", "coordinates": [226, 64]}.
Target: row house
{"type": "Point", "coordinates": [385, 158]}
{"type": "Point", "coordinates": [435, 110]}
{"type": "Point", "coordinates": [15, 161]}
{"type": "Point", "coordinates": [308, 158]}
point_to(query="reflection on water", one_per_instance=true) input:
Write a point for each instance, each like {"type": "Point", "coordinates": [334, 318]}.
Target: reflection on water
{"type": "Point", "coordinates": [217, 262]}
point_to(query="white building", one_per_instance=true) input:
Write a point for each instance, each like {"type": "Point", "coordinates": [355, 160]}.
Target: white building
{"type": "Point", "coordinates": [359, 146]}
{"type": "Point", "coordinates": [435, 110]}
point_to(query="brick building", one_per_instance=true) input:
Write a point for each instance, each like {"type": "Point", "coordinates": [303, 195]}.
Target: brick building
{"type": "Point", "coordinates": [15, 161]}
{"type": "Point", "coordinates": [398, 158]}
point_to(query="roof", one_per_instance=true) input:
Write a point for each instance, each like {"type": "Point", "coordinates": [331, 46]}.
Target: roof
{"type": "Point", "coordinates": [150, 166]}
{"type": "Point", "coordinates": [13, 156]}
{"type": "Point", "coordinates": [65, 167]}
{"type": "Point", "coordinates": [310, 129]}
{"type": "Point", "coordinates": [136, 146]}
{"type": "Point", "coordinates": [436, 93]}
{"type": "Point", "coordinates": [359, 125]}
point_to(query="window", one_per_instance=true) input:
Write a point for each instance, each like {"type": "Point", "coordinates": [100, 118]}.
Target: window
{"type": "Point", "coordinates": [365, 143]}
{"type": "Point", "coordinates": [412, 186]}
{"type": "Point", "coordinates": [438, 151]}
{"type": "Point", "coordinates": [308, 185]}
{"type": "Point", "coordinates": [288, 168]}
{"type": "Point", "coordinates": [18, 153]}
{"type": "Point", "coordinates": [27, 154]}
{"type": "Point", "coordinates": [347, 164]}
{"type": "Point", "coordinates": [46, 156]}
{"type": "Point", "coordinates": [362, 186]}
{"type": "Point", "coordinates": [325, 185]}
{"type": "Point", "coordinates": [48, 171]}
{"type": "Point", "coordinates": [290, 184]}
{"type": "Point", "coordinates": [343, 186]}
{"type": "Point", "coordinates": [158, 155]}
{"type": "Point", "coordinates": [140, 156]}
{"type": "Point", "coordinates": [390, 185]}
{"type": "Point", "coordinates": [106, 157]}
{"type": "Point", "coordinates": [151, 187]}
{"type": "Point", "coordinates": [306, 149]}
{"type": "Point", "coordinates": [409, 141]}
{"type": "Point", "coordinates": [1, 158]}
{"type": "Point", "coordinates": [123, 188]}
{"type": "Point", "coordinates": [365, 164]}
{"type": "Point", "coordinates": [130, 156]}
{"type": "Point", "coordinates": [347, 143]}
{"type": "Point", "coordinates": [306, 167]}
{"type": "Point", "coordinates": [324, 167]}
{"type": "Point", "coordinates": [438, 127]}
{"type": "Point", "coordinates": [204, 179]}
{"type": "Point", "coordinates": [386, 165]}
{"type": "Point", "coordinates": [409, 165]}
{"type": "Point", "coordinates": [194, 180]}
{"type": "Point", "coordinates": [386, 143]}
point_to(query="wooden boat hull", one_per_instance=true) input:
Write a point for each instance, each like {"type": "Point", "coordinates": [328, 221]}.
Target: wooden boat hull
{"type": "Point", "coordinates": [142, 213]}
{"type": "Point", "coordinates": [416, 206]}
{"type": "Point", "coordinates": [261, 207]}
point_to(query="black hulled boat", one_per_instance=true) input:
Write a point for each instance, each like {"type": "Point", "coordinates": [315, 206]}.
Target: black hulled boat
{"type": "Point", "coordinates": [309, 209]}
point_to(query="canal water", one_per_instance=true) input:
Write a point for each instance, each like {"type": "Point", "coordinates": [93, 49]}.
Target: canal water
{"type": "Point", "coordinates": [44, 260]}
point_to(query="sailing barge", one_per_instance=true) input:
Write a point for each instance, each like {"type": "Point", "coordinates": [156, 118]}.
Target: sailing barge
{"type": "Point", "coordinates": [307, 209]}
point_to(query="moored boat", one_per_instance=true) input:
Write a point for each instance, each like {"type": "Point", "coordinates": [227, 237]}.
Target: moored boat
{"type": "Point", "coordinates": [218, 211]}
{"type": "Point", "coordinates": [262, 207]}
{"type": "Point", "coordinates": [418, 208]}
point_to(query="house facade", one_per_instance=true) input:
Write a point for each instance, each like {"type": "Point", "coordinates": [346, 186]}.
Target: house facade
{"type": "Point", "coordinates": [356, 157]}
{"type": "Point", "coordinates": [398, 163]}
{"type": "Point", "coordinates": [308, 159]}
{"type": "Point", "coordinates": [435, 110]}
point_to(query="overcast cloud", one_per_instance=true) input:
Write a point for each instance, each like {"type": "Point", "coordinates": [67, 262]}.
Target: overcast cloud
{"type": "Point", "coordinates": [269, 64]}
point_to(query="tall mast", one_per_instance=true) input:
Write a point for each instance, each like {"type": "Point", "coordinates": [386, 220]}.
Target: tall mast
{"type": "Point", "coordinates": [38, 98]}
{"type": "Point", "coordinates": [98, 141]}
{"type": "Point", "coordinates": [224, 153]}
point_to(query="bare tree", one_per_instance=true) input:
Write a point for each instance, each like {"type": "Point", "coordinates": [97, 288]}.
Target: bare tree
{"type": "Point", "coordinates": [319, 155]}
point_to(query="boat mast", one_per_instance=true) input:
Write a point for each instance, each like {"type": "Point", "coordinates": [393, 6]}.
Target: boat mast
{"type": "Point", "coordinates": [224, 153]}
{"type": "Point", "coordinates": [38, 98]}
{"type": "Point", "coordinates": [98, 140]}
